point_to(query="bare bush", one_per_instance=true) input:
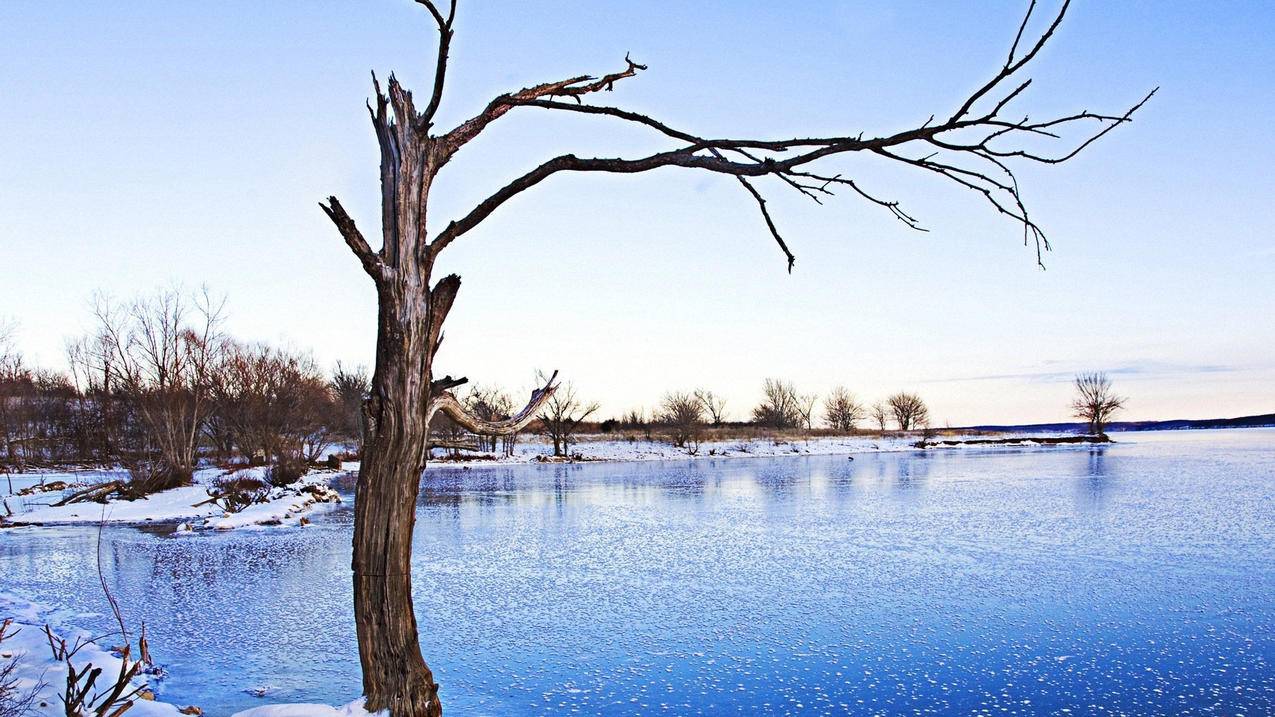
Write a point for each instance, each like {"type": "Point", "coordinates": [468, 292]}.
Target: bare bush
{"type": "Point", "coordinates": [683, 415]}
{"type": "Point", "coordinates": [275, 405]}
{"type": "Point", "coordinates": [14, 701]}
{"type": "Point", "coordinates": [561, 415]}
{"type": "Point", "coordinates": [1095, 401]}
{"type": "Point", "coordinates": [350, 387]}
{"type": "Point", "coordinates": [909, 411]}
{"type": "Point", "coordinates": [714, 406]}
{"type": "Point", "coordinates": [842, 410]}
{"type": "Point", "coordinates": [780, 406]}
{"type": "Point", "coordinates": [633, 418]}
{"type": "Point", "coordinates": [233, 493]}
{"type": "Point", "coordinates": [880, 414]}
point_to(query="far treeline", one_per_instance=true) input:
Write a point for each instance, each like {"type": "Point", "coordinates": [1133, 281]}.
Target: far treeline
{"type": "Point", "coordinates": [158, 387]}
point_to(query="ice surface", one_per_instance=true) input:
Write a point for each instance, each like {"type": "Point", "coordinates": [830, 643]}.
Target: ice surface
{"type": "Point", "coordinates": [1133, 578]}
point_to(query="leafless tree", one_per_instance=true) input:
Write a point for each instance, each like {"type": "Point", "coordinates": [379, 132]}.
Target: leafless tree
{"type": "Point", "coordinates": [634, 418]}
{"type": "Point", "coordinates": [491, 404]}
{"type": "Point", "coordinates": [714, 405]}
{"type": "Point", "coordinates": [276, 404]}
{"type": "Point", "coordinates": [158, 353]}
{"type": "Point", "coordinates": [561, 414]}
{"type": "Point", "coordinates": [880, 415]}
{"type": "Point", "coordinates": [1095, 401]}
{"type": "Point", "coordinates": [842, 410]}
{"type": "Point", "coordinates": [683, 414]}
{"type": "Point", "coordinates": [806, 403]}
{"type": "Point", "coordinates": [779, 406]}
{"type": "Point", "coordinates": [909, 411]}
{"type": "Point", "coordinates": [101, 414]}
{"type": "Point", "coordinates": [350, 386]}
{"type": "Point", "coordinates": [973, 146]}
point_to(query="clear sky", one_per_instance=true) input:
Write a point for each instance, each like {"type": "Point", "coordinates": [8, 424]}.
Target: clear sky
{"type": "Point", "coordinates": [149, 143]}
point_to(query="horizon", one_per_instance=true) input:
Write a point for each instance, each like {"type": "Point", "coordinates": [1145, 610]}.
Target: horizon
{"type": "Point", "coordinates": [153, 145]}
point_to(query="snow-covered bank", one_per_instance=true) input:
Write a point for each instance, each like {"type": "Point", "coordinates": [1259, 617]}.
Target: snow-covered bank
{"type": "Point", "coordinates": [594, 449]}
{"type": "Point", "coordinates": [189, 505]}
{"type": "Point", "coordinates": [354, 709]}
{"type": "Point", "coordinates": [38, 675]}
{"type": "Point", "coordinates": [39, 678]}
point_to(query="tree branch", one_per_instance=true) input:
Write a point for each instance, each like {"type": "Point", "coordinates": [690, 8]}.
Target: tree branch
{"type": "Point", "coordinates": [441, 298]}
{"type": "Point", "coordinates": [440, 65]}
{"type": "Point", "coordinates": [371, 261]}
{"type": "Point", "coordinates": [572, 87]}
{"type": "Point", "coordinates": [449, 405]}
{"type": "Point", "coordinates": [445, 383]}
{"type": "Point", "coordinates": [963, 135]}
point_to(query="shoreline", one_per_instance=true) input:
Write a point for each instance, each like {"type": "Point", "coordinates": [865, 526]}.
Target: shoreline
{"type": "Point", "coordinates": [186, 508]}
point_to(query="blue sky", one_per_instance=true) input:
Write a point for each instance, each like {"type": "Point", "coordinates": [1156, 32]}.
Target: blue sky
{"type": "Point", "coordinates": [153, 143]}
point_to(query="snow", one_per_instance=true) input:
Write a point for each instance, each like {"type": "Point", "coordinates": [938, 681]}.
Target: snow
{"type": "Point", "coordinates": [37, 670]}
{"type": "Point", "coordinates": [188, 504]}
{"type": "Point", "coordinates": [174, 504]}
{"type": "Point", "coordinates": [287, 509]}
{"type": "Point", "coordinates": [354, 709]}
{"type": "Point", "coordinates": [593, 448]}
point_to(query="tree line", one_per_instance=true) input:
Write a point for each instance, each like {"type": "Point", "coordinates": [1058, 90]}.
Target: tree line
{"type": "Point", "coordinates": [158, 386]}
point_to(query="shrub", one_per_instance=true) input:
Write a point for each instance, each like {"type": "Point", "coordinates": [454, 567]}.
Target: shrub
{"type": "Point", "coordinates": [287, 470]}
{"type": "Point", "coordinates": [235, 492]}
{"type": "Point", "coordinates": [14, 702]}
{"type": "Point", "coordinates": [146, 477]}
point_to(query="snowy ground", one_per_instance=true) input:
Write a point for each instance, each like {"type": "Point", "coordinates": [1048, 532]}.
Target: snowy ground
{"type": "Point", "coordinates": [38, 675]}
{"type": "Point", "coordinates": [594, 448]}
{"type": "Point", "coordinates": [189, 509]}
{"type": "Point", "coordinates": [188, 505]}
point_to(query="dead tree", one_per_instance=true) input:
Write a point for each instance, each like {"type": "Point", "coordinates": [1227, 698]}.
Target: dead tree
{"type": "Point", "coordinates": [1095, 402]}
{"type": "Point", "coordinates": [972, 147]}
{"type": "Point", "coordinates": [880, 415]}
{"type": "Point", "coordinates": [842, 410]}
{"type": "Point", "coordinates": [562, 415]}
{"type": "Point", "coordinates": [714, 405]}
{"type": "Point", "coordinates": [683, 414]}
{"type": "Point", "coordinates": [909, 411]}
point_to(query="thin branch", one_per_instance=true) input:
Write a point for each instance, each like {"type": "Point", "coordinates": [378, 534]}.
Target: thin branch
{"type": "Point", "coordinates": [440, 66]}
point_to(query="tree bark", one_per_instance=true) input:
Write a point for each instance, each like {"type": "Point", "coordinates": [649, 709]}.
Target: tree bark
{"type": "Point", "coordinates": [395, 675]}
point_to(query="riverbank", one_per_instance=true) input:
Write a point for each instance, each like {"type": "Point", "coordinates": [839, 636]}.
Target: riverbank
{"type": "Point", "coordinates": [628, 449]}
{"type": "Point", "coordinates": [33, 676]}
{"type": "Point", "coordinates": [189, 508]}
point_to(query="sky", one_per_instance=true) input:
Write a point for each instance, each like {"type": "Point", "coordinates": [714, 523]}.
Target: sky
{"type": "Point", "coordinates": [155, 144]}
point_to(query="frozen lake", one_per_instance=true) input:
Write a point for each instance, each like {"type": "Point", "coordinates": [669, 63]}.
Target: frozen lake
{"type": "Point", "coordinates": [1137, 577]}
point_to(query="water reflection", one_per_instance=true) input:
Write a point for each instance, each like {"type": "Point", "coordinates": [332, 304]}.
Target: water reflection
{"type": "Point", "coordinates": [1092, 488]}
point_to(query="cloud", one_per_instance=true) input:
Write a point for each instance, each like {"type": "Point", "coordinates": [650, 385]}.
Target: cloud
{"type": "Point", "coordinates": [1131, 370]}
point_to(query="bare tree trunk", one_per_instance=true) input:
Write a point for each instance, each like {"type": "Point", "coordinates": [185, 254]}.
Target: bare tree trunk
{"type": "Point", "coordinates": [396, 434]}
